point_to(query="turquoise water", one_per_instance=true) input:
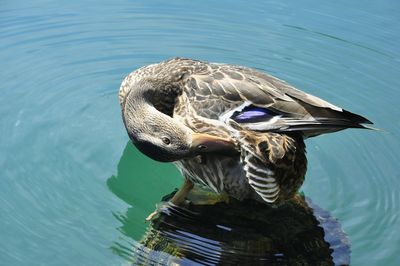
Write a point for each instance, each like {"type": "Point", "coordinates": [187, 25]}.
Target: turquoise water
{"type": "Point", "coordinates": [62, 198]}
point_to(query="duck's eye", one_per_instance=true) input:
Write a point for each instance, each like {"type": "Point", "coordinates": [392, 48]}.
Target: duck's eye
{"type": "Point", "coordinates": [201, 147]}
{"type": "Point", "coordinates": [166, 140]}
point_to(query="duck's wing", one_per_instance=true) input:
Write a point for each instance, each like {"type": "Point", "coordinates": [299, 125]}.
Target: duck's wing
{"type": "Point", "coordinates": [275, 164]}
{"type": "Point", "coordinates": [265, 103]}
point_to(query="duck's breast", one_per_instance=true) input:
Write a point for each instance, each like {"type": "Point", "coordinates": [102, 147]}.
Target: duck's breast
{"type": "Point", "coordinates": [219, 173]}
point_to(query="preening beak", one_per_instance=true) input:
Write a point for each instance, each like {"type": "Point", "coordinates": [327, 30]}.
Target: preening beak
{"type": "Point", "coordinates": [205, 143]}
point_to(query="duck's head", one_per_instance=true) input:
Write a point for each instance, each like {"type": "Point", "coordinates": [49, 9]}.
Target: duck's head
{"type": "Point", "coordinates": [156, 134]}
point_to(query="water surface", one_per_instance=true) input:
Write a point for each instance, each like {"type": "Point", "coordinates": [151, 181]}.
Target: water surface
{"type": "Point", "coordinates": [62, 137]}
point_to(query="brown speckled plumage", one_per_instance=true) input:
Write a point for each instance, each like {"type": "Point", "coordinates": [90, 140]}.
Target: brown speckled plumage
{"type": "Point", "coordinates": [270, 164]}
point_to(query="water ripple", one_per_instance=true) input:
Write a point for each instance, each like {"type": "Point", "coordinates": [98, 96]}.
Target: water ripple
{"type": "Point", "coordinates": [61, 134]}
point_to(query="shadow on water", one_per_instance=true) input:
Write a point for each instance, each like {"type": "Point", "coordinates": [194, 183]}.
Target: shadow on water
{"type": "Point", "coordinates": [298, 233]}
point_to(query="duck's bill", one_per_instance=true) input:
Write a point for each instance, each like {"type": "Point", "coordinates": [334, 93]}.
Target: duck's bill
{"type": "Point", "coordinates": [205, 143]}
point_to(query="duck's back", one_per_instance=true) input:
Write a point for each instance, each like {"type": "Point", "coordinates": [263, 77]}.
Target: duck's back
{"type": "Point", "coordinates": [217, 91]}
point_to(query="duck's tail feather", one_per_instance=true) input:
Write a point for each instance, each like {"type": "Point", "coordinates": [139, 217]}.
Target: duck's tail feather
{"type": "Point", "coordinates": [312, 125]}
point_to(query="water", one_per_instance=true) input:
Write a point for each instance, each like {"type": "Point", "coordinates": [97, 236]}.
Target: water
{"type": "Point", "coordinates": [62, 139]}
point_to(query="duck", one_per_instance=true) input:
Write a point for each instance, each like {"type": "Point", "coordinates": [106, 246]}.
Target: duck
{"type": "Point", "coordinates": [232, 129]}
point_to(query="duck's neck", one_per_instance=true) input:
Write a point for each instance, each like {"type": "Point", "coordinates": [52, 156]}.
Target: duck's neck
{"type": "Point", "coordinates": [141, 115]}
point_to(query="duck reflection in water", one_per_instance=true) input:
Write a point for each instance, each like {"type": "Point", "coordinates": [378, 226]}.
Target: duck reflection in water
{"type": "Point", "coordinates": [242, 233]}
{"type": "Point", "coordinates": [234, 233]}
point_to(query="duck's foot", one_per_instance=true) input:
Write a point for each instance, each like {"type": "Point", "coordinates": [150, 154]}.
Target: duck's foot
{"type": "Point", "coordinates": [201, 196]}
{"type": "Point", "coordinates": [178, 199]}
{"type": "Point", "coordinates": [180, 196]}
{"type": "Point", "coordinates": [152, 215]}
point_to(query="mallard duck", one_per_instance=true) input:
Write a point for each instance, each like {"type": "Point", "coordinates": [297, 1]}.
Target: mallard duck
{"type": "Point", "coordinates": [230, 128]}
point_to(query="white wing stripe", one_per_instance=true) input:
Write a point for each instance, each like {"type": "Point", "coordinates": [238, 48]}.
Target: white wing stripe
{"type": "Point", "coordinates": [264, 171]}
{"type": "Point", "coordinates": [269, 198]}
{"type": "Point", "coordinates": [270, 187]}
{"type": "Point", "coordinates": [257, 169]}
{"type": "Point", "coordinates": [224, 117]}
{"type": "Point", "coordinates": [260, 178]}
{"type": "Point", "coordinates": [270, 194]}
{"type": "Point", "coordinates": [255, 177]}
